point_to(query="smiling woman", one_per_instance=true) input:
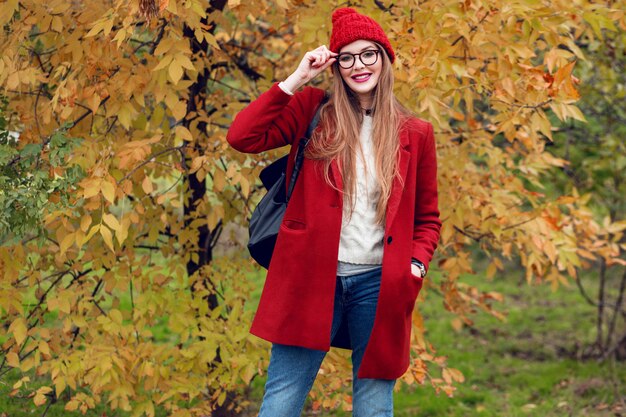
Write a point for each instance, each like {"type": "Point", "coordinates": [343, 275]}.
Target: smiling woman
{"type": "Point", "coordinates": [349, 274]}
{"type": "Point", "coordinates": [360, 71]}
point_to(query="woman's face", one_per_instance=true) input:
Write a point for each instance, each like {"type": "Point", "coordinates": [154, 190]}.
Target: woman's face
{"type": "Point", "coordinates": [361, 78]}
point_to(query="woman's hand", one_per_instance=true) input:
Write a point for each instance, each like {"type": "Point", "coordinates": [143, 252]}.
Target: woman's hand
{"type": "Point", "coordinates": [312, 65]}
{"type": "Point", "coordinates": [416, 271]}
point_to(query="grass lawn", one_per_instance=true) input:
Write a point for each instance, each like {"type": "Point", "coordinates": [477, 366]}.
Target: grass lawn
{"type": "Point", "coordinates": [526, 366]}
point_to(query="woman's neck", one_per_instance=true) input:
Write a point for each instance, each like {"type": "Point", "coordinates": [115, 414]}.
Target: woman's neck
{"type": "Point", "coordinates": [366, 102]}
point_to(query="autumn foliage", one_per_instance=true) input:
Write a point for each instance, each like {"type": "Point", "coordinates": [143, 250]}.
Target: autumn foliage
{"type": "Point", "coordinates": [139, 183]}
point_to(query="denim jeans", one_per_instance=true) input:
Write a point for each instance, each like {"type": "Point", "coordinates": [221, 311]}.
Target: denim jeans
{"type": "Point", "coordinates": [293, 369]}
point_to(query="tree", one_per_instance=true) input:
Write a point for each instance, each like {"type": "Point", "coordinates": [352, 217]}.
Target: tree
{"type": "Point", "coordinates": [597, 160]}
{"type": "Point", "coordinates": [151, 96]}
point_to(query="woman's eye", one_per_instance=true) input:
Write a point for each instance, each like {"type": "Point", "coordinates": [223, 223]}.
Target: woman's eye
{"type": "Point", "coordinates": [368, 54]}
{"type": "Point", "coordinates": [345, 58]}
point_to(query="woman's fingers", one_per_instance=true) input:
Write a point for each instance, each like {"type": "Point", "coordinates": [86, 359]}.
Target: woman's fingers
{"type": "Point", "coordinates": [328, 63]}
{"type": "Point", "coordinates": [313, 63]}
{"type": "Point", "coordinates": [315, 59]}
{"type": "Point", "coordinates": [321, 54]}
{"type": "Point", "coordinates": [320, 58]}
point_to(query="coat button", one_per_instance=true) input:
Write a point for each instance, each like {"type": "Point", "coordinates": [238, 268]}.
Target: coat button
{"type": "Point", "coordinates": [389, 239]}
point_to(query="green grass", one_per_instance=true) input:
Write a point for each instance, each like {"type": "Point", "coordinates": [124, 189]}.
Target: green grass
{"type": "Point", "coordinates": [525, 366]}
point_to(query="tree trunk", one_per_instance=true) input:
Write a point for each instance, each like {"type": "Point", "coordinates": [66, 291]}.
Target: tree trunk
{"type": "Point", "coordinates": [197, 187]}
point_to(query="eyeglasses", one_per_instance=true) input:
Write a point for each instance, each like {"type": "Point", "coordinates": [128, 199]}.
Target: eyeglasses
{"type": "Point", "coordinates": [347, 60]}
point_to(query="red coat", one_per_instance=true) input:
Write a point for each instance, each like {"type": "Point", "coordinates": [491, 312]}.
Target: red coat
{"type": "Point", "coordinates": [296, 306]}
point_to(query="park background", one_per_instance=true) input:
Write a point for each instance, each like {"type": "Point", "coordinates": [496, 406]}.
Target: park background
{"type": "Point", "coordinates": [125, 289]}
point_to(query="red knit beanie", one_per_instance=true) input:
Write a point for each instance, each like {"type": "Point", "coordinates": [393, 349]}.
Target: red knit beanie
{"type": "Point", "coordinates": [350, 26]}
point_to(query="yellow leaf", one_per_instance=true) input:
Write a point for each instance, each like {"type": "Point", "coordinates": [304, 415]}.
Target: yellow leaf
{"type": "Point", "coordinates": [92, 188]}
{"type": "Point", "coordinates": [125, 114]}
{"type": "Point", "coordinates": [211, 40]}
{"type": "Point", "coordinates": [97, 28]}
{"type": "Point", "coordinates": [111, 221]}
{"type": "Point", "coordinates": [19, 383]}
{"type": "Point", "coordinates": [93, 102]}
{"type": "Point", "coordinates": [44, 348]}
{"type": "Point", "coordinates": [13, 360]}
{"type": "Point", "coordinates": [616, 227]}
{"type": "Point", "coordinates": [164, 62]}
{"type": "Point", "coordinates": [183, 133]}
{"type": "Point", "coordinates": [179, 110]}
{"type": "Point", "coordinates": [120, 36]}
{"type": "Point", "coordinates": [116, 316]}
{"type": "Point", "coordinates": [219, 180]}
{"type": "Point", "coordinates": [108, 191]}
{"type": "Point", "coordinates": [19, 329]}
{"type": "Point", "coordinates": [13, 80]}
{"type": "Point", "coordinates": [457, 324]}
{"type": "Point", "coordinates": [122, 233]}
{"type": "Point", "coordinates": [7, 9]}
{"type": "Point", "coordinates": [108, 25]}
{"type": "Point", "coordinates": [92, 232]}
{"type": "Point", "coordinates": [146, 184]}
{"type": "Point", "coordinates": [245, 187]}
{"type": "Point", "coordinates": [107, 236]}
{"type": "Point", "coordinates": [64, 305]}
{"type": "Point", "coordinates": [175, 71]}
{"type": "Point", "coordinates": [184, 62]}
{"type": "Point", "coordinates": [574, 112]}
{"type": "Point", "coordinates": [171, 7]}
{"type": "Point", "coordinates": [40, 396]}
{"type": "Point", "coordinates": [59, 385]}
{"type": "Point", "coordinates": [72, 405]}
{"type": "Point", "coordinates": [85, 221]}
{"type": "Point", "coordinates": [67, 241]}
{"type": "Point", "coordinates": [198, 34]}
{"type": "Point", "coordinates": [57, 24]}
{"type": "Point", "coordinates": [456, 374]}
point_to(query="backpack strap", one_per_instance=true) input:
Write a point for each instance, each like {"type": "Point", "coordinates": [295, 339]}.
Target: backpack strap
{"type": "Point", "coordinates": [301, 147]}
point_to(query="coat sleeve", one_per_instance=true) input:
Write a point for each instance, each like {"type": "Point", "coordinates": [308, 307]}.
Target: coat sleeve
{"type": "Point", "coordinates": [427, 223]}
{"type": "Point", "coordinates": [273, 120]}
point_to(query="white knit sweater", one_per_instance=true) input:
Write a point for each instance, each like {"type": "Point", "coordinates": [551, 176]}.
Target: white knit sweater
{"type": "Point", "coordinates": [361, 240]}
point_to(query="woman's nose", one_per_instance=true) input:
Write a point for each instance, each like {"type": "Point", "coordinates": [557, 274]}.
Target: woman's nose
{"type": "Point", "coordinates": [358, 63]}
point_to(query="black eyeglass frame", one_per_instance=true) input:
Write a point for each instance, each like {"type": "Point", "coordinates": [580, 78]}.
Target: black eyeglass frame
{"type": "Point", "coordinates": [354, 56]}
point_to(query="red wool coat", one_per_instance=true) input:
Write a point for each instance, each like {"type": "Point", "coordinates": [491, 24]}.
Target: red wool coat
{"type": "Point", "coordinates": [296, 307]}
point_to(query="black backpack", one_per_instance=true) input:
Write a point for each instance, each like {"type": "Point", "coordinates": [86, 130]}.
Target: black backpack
{"type": "Point", "coordinates": [268, 214]}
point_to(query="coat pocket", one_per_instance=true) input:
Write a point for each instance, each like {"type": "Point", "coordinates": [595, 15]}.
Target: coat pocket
{"type": "Point", "coordinates": [414, 286]}
{"type": "Point", "coordinates": [294, 225]}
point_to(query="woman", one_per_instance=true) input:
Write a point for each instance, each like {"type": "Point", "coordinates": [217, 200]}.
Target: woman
{"type": "Point", "coordinates": [360, 228]}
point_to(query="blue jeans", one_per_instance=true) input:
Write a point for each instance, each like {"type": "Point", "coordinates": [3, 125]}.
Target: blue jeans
{"type": "Point", "coordinates": [293, 369]}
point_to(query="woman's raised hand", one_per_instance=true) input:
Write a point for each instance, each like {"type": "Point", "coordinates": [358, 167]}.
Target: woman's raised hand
{"type": "Point", "coordinates": [312, 64]}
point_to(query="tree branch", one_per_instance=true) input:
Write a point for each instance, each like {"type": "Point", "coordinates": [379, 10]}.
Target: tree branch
{"type": "Point", "coordinates": [149, 160]}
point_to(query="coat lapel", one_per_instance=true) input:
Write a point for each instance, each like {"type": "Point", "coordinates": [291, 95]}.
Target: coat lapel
{"type": "Point", "coordinates": [336, 174]}
{"type": "Point", "coordinates": [404, 157]}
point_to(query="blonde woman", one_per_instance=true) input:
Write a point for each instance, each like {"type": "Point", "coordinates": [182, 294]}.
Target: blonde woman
{"type": "Point", "coordinates": [361, 225]}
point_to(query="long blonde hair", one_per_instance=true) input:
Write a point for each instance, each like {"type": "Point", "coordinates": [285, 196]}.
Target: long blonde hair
{"type": "Point", "coordinates": [338, 136]}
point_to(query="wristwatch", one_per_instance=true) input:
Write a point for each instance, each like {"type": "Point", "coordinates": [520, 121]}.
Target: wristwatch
{"type": "Point", "coordinates": [420, 265]}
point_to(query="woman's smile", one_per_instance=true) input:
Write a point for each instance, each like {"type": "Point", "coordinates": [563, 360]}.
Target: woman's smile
{"type": "Point", "coordinates": [361, 78]}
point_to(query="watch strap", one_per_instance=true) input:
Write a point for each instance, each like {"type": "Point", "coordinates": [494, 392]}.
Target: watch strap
{"type": "Point", "coordinates": [420, 265]}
